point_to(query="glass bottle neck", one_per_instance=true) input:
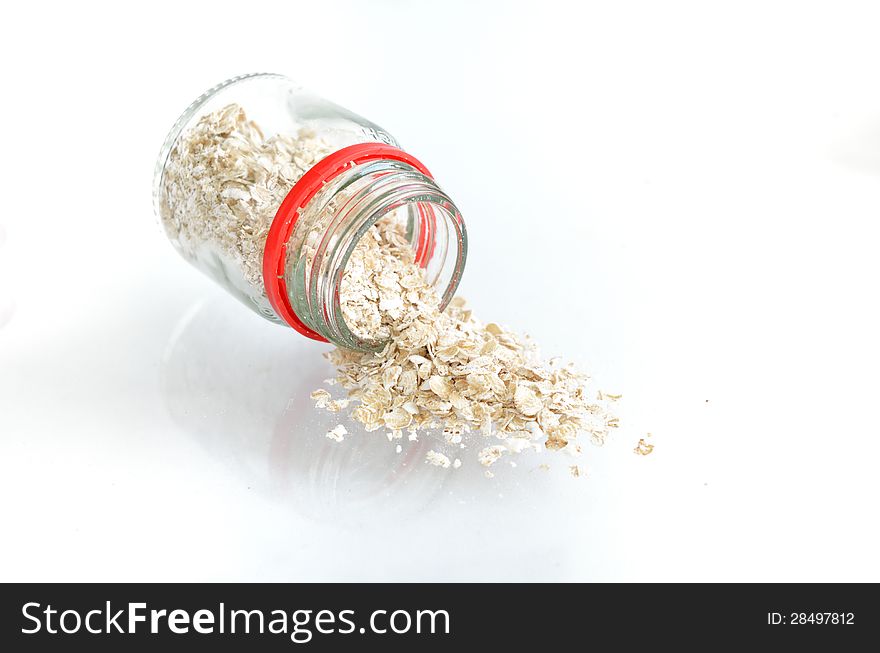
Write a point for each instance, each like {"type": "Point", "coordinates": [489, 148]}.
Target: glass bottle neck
{"type": "Point", "coordinates": [340, 214]}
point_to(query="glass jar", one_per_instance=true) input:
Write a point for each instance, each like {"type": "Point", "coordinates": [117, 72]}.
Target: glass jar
{"type": "Point", "coordinates": [267, 189]}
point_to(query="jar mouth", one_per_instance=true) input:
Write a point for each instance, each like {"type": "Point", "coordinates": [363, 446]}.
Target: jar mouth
{"type": "Point", "coordinates": [303, 261]}
{"type": "Point", "coordinates": [436, 232]}
{"type": "Point", "coordinates": [185, 118]}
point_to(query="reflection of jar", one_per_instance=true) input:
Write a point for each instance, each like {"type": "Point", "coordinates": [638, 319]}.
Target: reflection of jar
{"type": "Point", "coordinates": [237, 398]}
{"type": "Point", "coordinates": [267, 189]}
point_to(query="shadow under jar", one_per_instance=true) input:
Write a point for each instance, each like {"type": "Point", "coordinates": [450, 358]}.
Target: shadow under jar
{"type": "Point", "coordinates": [268, 189]}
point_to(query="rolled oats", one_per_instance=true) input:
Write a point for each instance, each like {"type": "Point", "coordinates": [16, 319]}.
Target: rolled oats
{"type": "Point", "coordinates": [223, 183]}
{"type": "Point", "coordinates": [643, 448]}
{"type": "Point", "coordinates": [437, 459]}
{"type": "Point", "coordinates": [337, 433]}
{"type": "Point", "coordinates": [447, 369]}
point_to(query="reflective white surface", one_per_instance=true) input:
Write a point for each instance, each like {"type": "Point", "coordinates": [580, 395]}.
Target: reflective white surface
{"type": "Point", "coordinates": [683, 202]}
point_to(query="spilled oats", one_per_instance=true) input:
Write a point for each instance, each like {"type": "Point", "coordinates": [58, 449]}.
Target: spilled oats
{"type": "Point", "coordinates": [446, 369]}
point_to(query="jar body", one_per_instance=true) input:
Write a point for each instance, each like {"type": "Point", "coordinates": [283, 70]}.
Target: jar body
{"type": "Point", "coordinates": [253, 142]}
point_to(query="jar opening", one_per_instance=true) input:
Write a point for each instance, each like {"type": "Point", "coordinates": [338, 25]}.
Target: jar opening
{"type": "Point", "coordinates": [435, 231]}
{"type": "Point", "coordinates": [275, 254]}
{"type": "Point", "coordinates": [330, 225]}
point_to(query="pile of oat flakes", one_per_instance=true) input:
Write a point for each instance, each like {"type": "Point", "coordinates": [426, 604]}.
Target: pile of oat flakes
{"type": "Point", "coordinates": [482, 384]}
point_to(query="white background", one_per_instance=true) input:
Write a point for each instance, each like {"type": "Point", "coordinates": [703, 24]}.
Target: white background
{"type": "Point", "coordinates": [682, 198]}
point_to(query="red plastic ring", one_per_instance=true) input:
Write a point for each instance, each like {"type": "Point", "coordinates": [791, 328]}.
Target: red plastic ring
{"type": "Point", "coordinates": [275, 253]}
